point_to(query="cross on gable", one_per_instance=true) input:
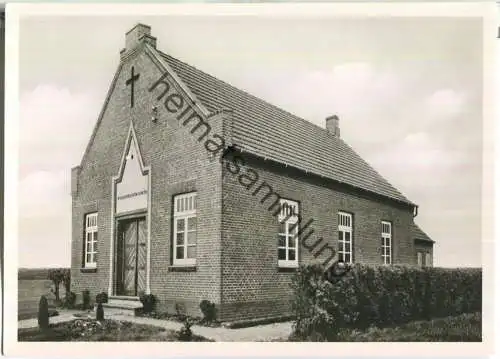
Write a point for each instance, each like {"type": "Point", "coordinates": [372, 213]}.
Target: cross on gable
{"type": "Point", "coordinates": [131, 81]}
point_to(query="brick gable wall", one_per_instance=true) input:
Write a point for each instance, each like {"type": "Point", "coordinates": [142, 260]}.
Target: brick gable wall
{"type": "Point", "coordinates": [252, 285]}
{"type": "Point", "coordinates": [179, 163]}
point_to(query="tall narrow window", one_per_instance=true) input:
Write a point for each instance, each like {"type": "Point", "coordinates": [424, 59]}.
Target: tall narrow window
{"type": "Point", "coordinates": [345, 237]}
{"type": "Point", "coordinates": [386, 242]}
{"type": "Point", "coordinates": [288, 247]}
{"type": "Point", "coordinates": [91, 240]}
{"type": "Point", "coordinates": [185, 229]}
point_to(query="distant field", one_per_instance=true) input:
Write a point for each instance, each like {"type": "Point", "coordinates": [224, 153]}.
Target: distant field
{"type": "Point", "coordinates": [33, 273]}
{"type": "Point", "coordinates": [32, 284]}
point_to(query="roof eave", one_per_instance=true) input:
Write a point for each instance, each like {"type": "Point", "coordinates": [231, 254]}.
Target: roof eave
{"type": "Point", "coordinates": [426, 240]}
{"type": "Point", "coordinates": [407, 203]}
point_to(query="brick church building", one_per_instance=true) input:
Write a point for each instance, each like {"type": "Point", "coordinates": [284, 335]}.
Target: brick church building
{"type": "Point", "coordinates": [191, 189]}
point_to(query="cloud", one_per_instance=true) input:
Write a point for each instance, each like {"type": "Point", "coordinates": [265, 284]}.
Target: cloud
{"type": "Point", "coordinates": [417, 158]}
{"type": "Point", "coordinates": [44, 193]}
{"type": "Point", "coordinates": [444, 104]}
{"type": "Point", "coordinates": [401, 127]}
{"type": "Point", "coordinates": [402, 131]}
{"type": "Point", "coordinates": [55, 124]}
{"type": "Point", "coordinates": [360, 93]}
{"type": "Point", "coordinates": [344, 88]}
{"type": "Point", "coordinates": [353, 82]}
{"type": "Point", "coordinates": [45, 219]}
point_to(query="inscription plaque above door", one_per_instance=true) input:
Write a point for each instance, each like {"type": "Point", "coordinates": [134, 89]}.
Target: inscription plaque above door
{"type": "Point", "coordinates": [132, 190]}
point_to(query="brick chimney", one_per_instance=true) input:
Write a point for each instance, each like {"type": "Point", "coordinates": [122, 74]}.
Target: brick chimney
{"type": "Point", "coordinates": [138, 34]}
{"type": "Point", "coordinates": [332, 125]}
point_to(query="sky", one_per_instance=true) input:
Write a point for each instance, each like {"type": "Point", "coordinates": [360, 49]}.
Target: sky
{"type": "Point", "coordinates": [408, 92]}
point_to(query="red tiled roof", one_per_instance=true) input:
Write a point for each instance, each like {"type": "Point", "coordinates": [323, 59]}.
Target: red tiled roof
{"type": "Point", "coordinates": [270, 132]}
{"type": "Point", "coordinates": [418, 234]}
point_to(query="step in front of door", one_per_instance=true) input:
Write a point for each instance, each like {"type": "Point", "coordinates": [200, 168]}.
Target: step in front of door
{"type": "Point", "coordinates": [124, 297]}
{"type": "Point", "coordinates": [122, 307]}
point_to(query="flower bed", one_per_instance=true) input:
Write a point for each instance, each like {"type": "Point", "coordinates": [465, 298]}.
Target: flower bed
{"type": "Point", "coordinates": [107, 330]}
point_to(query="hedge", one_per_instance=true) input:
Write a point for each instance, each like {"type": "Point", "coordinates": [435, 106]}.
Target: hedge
{"type": "Point", "coordinates": [379, 296]}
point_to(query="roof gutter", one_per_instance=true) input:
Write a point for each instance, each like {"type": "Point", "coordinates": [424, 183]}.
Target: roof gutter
{"type": "Point", "coordinates": [241, 150]}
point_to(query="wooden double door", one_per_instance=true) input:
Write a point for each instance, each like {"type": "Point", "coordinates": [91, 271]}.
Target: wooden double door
{"type": "Point", "coordinates": [131, 256]}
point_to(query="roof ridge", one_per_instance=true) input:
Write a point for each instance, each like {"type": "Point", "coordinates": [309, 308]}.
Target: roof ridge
{"type": "Point", "coordinates": [280, 109]}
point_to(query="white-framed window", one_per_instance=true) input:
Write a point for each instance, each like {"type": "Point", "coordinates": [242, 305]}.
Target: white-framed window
{"type": "Point", "coordinates": [386, 244]}
{"type": "Point", "coordinates": [288, 247]}
{"type": "Point", "coordinates": [420, 259]}
{"type": "Point", "coordinates": [91, 240]}
{"type": "Point", "coordinates": [345, 237]}
{"type": "Point", "coordinates": [185, 229]}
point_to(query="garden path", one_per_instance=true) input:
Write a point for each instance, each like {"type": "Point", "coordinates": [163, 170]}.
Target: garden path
{"type": "Point", "coordinates": [265, 332]}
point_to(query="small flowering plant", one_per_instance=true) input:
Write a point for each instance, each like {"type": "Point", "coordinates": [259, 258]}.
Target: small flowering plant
{"type": "Point", "coordinates": [87, 327]}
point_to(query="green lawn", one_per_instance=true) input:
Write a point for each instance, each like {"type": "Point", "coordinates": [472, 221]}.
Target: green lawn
{"type": "Point", "coordinates": [462, 328]}
{"type": "Point", "coordinates": [91, 330]}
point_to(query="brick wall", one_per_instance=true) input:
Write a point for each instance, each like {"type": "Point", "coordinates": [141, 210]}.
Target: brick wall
{"type": "Point", "coordinates": [252, 285]}
{"type": "Point", "coordinates": [179, 163]}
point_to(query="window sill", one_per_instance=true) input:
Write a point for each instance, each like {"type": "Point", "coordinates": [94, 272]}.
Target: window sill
{"type": "Point", "coordinates": [88, 270]}
{"type": "Point", "coordinates": [180, 268]}
{"type": "Point", "coordinates": [287, 269]}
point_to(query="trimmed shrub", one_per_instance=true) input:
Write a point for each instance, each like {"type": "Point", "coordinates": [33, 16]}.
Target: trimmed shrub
{"type": "Point", "coordinates": [148, 302]}
{"type": "Point", "coordinates": [379, 296]}
{"type": "Point", "coordinates": [69, 300]}
{"type": "Point", "coordinates": [101, 298]}
{"type": "Point", "coordinates": [86, 300]}
{"type": "Point", "coordinates": [180, 311]}
{"type": "Point", "coordinates": [43, 313]}
{"type": "Point", "coordinates": [99, 313]}
{"type": "Point", "coordinates": [209, 311]}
